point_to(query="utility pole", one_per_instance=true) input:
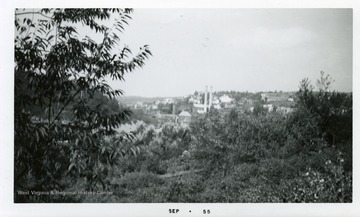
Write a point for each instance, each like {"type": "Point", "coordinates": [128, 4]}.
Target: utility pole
{"type": "Point", "coordinates": [210, 98]}
{"type": "Point", "coordinates": [205, 101]}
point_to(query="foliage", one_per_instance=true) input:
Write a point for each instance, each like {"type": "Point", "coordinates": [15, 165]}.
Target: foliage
{"type": "Point", "coordinates": [333, 184]}
{"type": "Point", "coordinates": [63, 75]}
{"type": "Point", "coordinates": [233, 139]}
{"type": "Point", "coordinates": [185, 189]}
{"type": "Point", "coordinates": [259, 109]}
{"type": "Point", "coordinates": [237, 157]}
{"type": "Point", "coordinates": [160, 151]}
{"type": "Point", "coordinates": [65, 121]}
{"type": "Point", "coordinates": [281, 149]}
{"type": "Point", "coordinates": [140, 115]}
{"type": "Point", "coordinates": [330, 112]}
{"type": "Point", "coordinates": [139, 187]}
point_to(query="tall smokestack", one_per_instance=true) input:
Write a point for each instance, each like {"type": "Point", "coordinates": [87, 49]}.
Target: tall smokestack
{"type": "Point", "coordinates": [205, 101]}
{"type": "Point", "coordinates": [210, 97]}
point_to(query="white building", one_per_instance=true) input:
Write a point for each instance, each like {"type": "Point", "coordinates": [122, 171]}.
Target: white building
{"type": "Point", "coordinates": [215, 101]}
{"type": "Point", "coordinates": [184, 114]}
{"type": "Point", "coordinates": [200, 108]}
{"type": "Point", "coordinates": [269, 107]}
{"type": "Point", "coordinates": [225, 99]}
{"type": "Point", "coordinates": [195, 100]}
{"type": "Point", "coordinates": [168, 101]}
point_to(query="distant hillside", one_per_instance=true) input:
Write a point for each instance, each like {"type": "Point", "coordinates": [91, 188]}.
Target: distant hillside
{"type": "Point", "coordinates": [130, 100]}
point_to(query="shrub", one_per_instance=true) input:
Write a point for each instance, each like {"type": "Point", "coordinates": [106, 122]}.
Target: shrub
{"type": "Point", "coordinates": [333, 185]}
{"type": "Point", "coordinates": [185, 189]}
{"type": "Point", "coordinates": [139, 180]}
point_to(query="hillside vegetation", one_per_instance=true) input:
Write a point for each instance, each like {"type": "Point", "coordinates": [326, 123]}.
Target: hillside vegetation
{"type": "Point", "coordinates": [232, 157]}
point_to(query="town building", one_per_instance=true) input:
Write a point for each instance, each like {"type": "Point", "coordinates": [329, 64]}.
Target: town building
{"type": "Point", "coordinates": [184, 117]}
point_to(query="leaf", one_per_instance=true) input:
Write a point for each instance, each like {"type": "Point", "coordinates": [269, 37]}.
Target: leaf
{"type": "Point", "coordinates": [71, 166]}
{"type": "Point", "coordinates": [62, 79]}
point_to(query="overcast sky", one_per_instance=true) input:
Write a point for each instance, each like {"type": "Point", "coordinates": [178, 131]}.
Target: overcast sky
{"type": "Point", "coordinates": [238, 49]}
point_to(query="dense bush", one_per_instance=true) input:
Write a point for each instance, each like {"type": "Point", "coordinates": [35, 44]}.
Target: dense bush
{"type": "Point", "coordinates": [247, 157]}
{"type": "Point", "coordinates": [160, 151]}
{"type": "Point", "coordinates": [139, 187]}
{"type": "Point", "coordinates": [186, 189]}
{"type": "Point", "coordinates": [289, 154]}
{"type": "Point", "coordinates": [332, 185]}
{"type": "Point", "coordinates": [238, 157]}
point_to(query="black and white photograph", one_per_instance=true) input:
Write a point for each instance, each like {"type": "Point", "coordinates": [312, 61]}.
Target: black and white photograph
{"type": "Point", "coordinates": [215, 106]}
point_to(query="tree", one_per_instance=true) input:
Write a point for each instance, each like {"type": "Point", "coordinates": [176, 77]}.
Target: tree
{"type": "Point", "coordinates": [331, 110]}
{"type": "Point", "coordinates": [324, 82]}
{"type": "Point", "coordinates": [259, 109]}
{"type": "Point", "coordinates": [327, 115]}
{"type": "Point", "coordinates": [60, 73]}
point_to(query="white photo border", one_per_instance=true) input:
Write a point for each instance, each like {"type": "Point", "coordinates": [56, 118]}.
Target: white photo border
{"type": "Point", "coordinates": [9, 208]}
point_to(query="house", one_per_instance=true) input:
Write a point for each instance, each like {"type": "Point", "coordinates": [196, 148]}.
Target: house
{"type": "Point", "coordinates": [199, 108]}
{"type": "Point", "coordinates": [195, 100]}
{"type": "Point", "coordinates": [215, 101]}
{"type": "Point", "coordinates": [269, 107]}
{"type": "Point", "coordinates": [275, 97]}
{"type": "Point", "coordinates": [168, 101]}
{"type": "Point", "coordinates": [225, 99]}
{"type": "Point", "coordinates": [217, 106]}
{"type": "Point", "coordinates": [284, 110]}
{"type": "Point", "coordinates": [184, 117]}
{"type": "Point", "coordinates": [138, 105]}
{"type": "Point", "coordinates": [184, 114]}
